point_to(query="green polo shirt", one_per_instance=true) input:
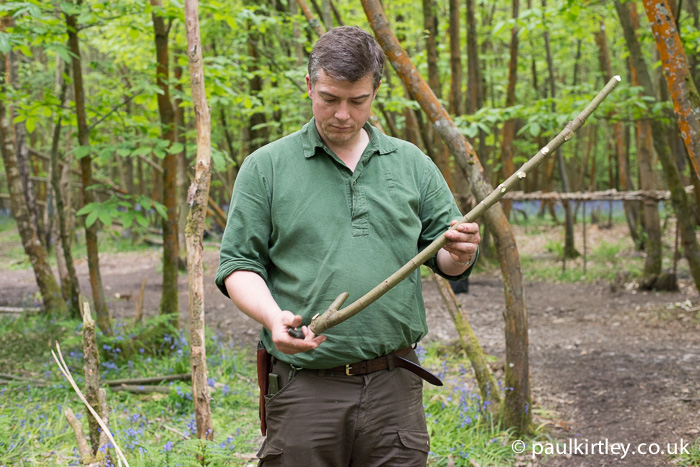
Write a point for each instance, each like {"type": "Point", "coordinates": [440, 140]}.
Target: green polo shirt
{"type": "Point", "coordinates": [312, 228]}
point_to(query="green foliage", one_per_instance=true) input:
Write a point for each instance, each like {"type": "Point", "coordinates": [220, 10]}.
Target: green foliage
{"type": "Point", "coordinates": [31, 413]}
{"type": "Point", "coordinates": [692, 458]}
{"type": "Point", "coordinates": [127, 209]}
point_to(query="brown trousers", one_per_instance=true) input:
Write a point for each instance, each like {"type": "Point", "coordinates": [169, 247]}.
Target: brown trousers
{"type": "Point", "coordinates": [324, 419]}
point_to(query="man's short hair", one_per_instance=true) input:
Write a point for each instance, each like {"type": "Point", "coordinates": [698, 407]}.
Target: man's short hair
{"type": "Point", "coordinates": [347, 53]}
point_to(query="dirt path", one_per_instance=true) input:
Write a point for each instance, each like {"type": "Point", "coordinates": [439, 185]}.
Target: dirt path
{"type": "Point", "coordinates": [619, 366]}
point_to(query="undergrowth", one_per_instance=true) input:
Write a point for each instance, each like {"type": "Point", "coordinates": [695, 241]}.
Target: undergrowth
{"type": "Point", "coordinates": [159, 429]}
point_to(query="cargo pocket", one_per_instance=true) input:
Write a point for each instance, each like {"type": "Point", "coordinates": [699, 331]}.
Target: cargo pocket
{"type": "Point", "coordinates": [416, 446]}
{"type": "Point", "coordinates": [270, 455]}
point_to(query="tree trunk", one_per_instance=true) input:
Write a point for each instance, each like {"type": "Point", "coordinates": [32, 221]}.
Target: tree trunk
{"type": "Point", "coordinates": [516, 408]}
{"type": "Point", "coordinates": [314, 23]}
{"type": "Point", "coordinates": [507, 146]}
{"type": "Point", "coordinates": [327, 14]}
{"type": "Point", "coordinates": [455, 60]}
{"type": "Point", "coordinates": [91, 372]}
{"type": "Point", "coordinates": [694, 58]}
{"type": "Point", "coordinates": [98, 295]}
{"type": "Point", "coordinates": [474, 98]}
{"type": "Point", "coordinates": [258, 131]}
{"type": "Point", "coordinates": [653, 242]}
{"type": "Point", "coordinates": [437, 149]}
{"type": "Point", "coordinates": [71, 286]}
{"type": "Point", "coordinates": [169, 294]}
{"type": "Point", "coordinates": [619, 134]}
{"type": "Point", "coordinates": [672, 176]}
{"type": "Point", "coordinates": [18, 134]}
{"type": "Point", "coordinates": [569, 247]}
{"type": "Point", "coordinates": [197, 198]}
{"type": "Point", "coordinates": [182, 178]}
{"type": "Point", "coordinates": [296, 36]}
{"type": "Point", "coordinates": [686, 100]}
{"type": "Point", "coordinates": [49, 288]}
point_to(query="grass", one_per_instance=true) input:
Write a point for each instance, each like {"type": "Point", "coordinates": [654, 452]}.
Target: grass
{"type": "Point", "coordinates": [609, 250]}
{"type": "Point", "coordinates": [692, 457]}
{"type": "Point", "coordinates": [152, 429]}
{"type": "Point", "coordinates": [461, 433]}
{"type": "Point", "coordinates": [603, 263]}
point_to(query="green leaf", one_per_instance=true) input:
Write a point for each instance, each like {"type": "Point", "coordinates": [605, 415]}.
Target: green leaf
{"type": "Point", "coordinates": [161, 209]}
{"type": "Point", "coordinates": [124, 152]}
{"type": "Point", "coordinates": [105, 217]}
{"type": "Point", "coordinates": [5, 43]}
{"type": "Point", "coordinates": [63, 52]}
{"type": "Point", "coordinates": [91, 219]}
{"type": "Point", "coordinates": [145, 204]}
{"type": "Point", "coordinates": [128, 221]}
{"type": "Point", "coordinates": [143, 222]}
{"type": "Point", "coordinates": [142, 151]}
{"type": "Point", "coordinates": [535, 129]}
{"type": "Point", "coordinates": [86, 209]}
{"type": "Point", "coordinates": [175, 148]}
{"type": "Point", "coordinates": [69, 8]}
{"type": "Point", "coordinates": [30, 125]}
{"type": "Point", "coordinates": [82, 151]}
{"type": "Point", "coordinates": [25, 50]}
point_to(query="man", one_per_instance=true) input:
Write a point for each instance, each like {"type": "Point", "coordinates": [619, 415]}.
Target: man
{"type": "Point", "coordinates": [337, 207]}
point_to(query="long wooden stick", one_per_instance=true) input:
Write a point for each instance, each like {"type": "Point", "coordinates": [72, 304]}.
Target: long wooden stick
{"type": "Point", "coordinates": [334, 315]}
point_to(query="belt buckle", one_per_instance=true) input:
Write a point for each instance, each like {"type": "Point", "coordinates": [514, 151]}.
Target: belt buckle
{"type": "Point", "coordinates": [348, 367]}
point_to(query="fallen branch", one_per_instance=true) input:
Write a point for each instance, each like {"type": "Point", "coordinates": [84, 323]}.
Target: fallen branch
{"type": "Point", "coordinates": [150, 379]}
{"type": "Point", "coordinates": [12, 309]}
{"type": "Point", "coordinates": [176, 431]}
{"type": "Point", "coordinates": [8, 379]}
{"type": "Point", "coordinates": [606, 195]}
{"type": "Point", "coordinates": [141, 389]}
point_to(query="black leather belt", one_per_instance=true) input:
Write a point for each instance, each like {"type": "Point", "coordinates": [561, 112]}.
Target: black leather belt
{"type": "Point", "coordinates": [387, 362]}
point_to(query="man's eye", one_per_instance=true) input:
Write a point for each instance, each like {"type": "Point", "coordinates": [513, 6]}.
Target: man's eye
{"type": "Point", "coordinates": [358, 102]}
{"type": "Point", "coordinates": [330, 100]}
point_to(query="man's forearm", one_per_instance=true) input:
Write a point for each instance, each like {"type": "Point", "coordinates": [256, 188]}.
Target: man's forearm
{"type": "Point", "coordinates": [448, 266]}
{"type": "Point", "coordinates": [252, 296]}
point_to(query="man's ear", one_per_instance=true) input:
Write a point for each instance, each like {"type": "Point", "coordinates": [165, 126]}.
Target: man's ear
{"type": "Point", "coordinates": [309, 86]}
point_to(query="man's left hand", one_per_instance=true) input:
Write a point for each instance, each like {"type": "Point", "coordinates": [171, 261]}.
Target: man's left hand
{"type": "Point", "coordinates": [463, 241]}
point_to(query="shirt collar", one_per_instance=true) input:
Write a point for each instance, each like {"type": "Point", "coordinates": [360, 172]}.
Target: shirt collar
{"type": "Point", "coordinates": [311, 140]}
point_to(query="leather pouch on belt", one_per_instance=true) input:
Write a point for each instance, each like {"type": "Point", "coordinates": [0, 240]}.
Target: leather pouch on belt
{"type": "Point", "coordinates": [264, 366]}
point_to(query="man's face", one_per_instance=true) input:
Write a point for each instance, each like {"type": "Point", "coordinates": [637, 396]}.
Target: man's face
{"type": "Point", "coordinates": [340, 108]}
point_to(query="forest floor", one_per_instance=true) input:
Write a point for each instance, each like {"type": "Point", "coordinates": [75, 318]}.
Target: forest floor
{"type": "Point", "coordinates": [620, 366]}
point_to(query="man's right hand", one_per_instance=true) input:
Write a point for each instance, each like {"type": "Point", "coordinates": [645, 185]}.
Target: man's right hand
{"type": "Point", "coordinates": [279, 326]}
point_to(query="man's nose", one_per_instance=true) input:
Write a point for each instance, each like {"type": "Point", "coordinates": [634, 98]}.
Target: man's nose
{"type": "Point", "coordinates": [341, 112]}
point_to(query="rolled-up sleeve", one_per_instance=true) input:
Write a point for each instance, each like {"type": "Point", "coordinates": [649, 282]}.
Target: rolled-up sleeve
{"type": "Point", "coordinates": [245, 244]}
